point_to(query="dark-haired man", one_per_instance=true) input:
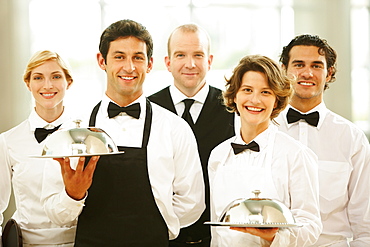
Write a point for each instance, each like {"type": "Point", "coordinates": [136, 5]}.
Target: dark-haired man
{"type": "Point", "coordinates": [342, 148]}
{"type": "Point", "coordinates": [140, 197]}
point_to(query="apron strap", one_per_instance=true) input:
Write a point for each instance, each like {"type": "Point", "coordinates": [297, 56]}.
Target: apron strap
{"type": "Point", "coordinates": [147, 124]}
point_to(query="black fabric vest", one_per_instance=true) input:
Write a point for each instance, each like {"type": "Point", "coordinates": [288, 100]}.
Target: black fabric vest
{"type": "Point", "coordinates": [213, 126]}
{"type": "Point", "coordinates": [120, 209]}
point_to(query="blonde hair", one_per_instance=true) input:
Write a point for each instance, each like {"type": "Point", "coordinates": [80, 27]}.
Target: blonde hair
{"type": "Point", "coordinates": [40, 58]}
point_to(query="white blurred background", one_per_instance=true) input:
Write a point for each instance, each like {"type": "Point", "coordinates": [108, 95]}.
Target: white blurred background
{"type": "Point", "coordinates": [236, 27]}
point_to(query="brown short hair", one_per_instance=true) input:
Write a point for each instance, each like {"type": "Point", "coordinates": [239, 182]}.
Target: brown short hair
{"type": "Point", "coordinates": [276, 77]}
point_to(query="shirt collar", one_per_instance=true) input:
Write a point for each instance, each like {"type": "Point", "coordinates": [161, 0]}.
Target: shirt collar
{"type": "Point", "coordinates": [261, 139]}
{"type": "Point", "coordinates": [37, 122]}
{"type": "Point", "coordinates": [178, 96]}
{"type": "Point", "coordinates": [321, 108]}
{"type": "Point", "coordinates": [105, 102]}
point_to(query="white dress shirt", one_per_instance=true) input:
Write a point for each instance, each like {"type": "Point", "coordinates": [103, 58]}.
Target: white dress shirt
{"type": "Point", "coordinates": [17, 169]}
{"type": "Point", "coordinates": [199, 100]}
{"type": "Point", "coordinates": [344, 174]}
{"type": "Point", "coordinates": [173, 164]}
{"type": "Point", "coordinates": [284, 170]}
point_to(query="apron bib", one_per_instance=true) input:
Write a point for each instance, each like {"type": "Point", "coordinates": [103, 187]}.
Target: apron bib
{"type": "Point", "coordinates": [231, 184]}
{"type": "Point", "coordinates": [120, 209]}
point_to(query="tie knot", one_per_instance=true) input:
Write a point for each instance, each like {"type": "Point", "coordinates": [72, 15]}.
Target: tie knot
{"type": "Point", "coordinates": [188, 103]}
{"type": "Point", "coordinates": [311, 118]}
{"type": "Point", "coordinates": [41, 133]}
{"type": "Point", "coordinates": [131, 110]}
{"type": "Point", "coordinates": [238, 148]}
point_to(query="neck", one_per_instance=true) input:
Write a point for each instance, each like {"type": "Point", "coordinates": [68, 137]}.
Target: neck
{"type": "Point", "coordinates": [248, 132]}
{"type": "Point", "coordinates": [49, 115]}
{"type": "Point", "coordinates": [304, 105]}
{"type": "Point", "coordinates": [189, 91]}
{"type": "Point", "coordinates": [123, 100]}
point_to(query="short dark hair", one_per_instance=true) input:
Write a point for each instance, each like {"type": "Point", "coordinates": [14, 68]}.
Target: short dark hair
{"type": "Point", "coordinates": [324, 49]}
{"type": "Point", "coordinates": [125, 28]}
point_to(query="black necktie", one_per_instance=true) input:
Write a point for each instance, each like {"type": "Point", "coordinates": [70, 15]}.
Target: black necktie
{"type": "Point", "coordinates": [238, 148]}
{"type": "Point", "coordinates": [186, 115]}
{"type": "Point", "coordinates": [41, 133]}
{"type": "Point", "coordinates": [131, 110]}
{"type": "Point", "coordinates": [311, 118]}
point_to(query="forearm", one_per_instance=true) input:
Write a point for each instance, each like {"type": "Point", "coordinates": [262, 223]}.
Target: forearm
{"type": "Point", "coordinates": [61, 209]}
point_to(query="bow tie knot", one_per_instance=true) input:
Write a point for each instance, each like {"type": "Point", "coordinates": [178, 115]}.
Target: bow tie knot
{"type": "Point", "coordinates": [131, 110]}
{"type": "Point", "coordinates": [311, 118]}
{"type": "Point", "coordinates": [238, 148]}
{"type": "Point", "coordinates": [41, 133]}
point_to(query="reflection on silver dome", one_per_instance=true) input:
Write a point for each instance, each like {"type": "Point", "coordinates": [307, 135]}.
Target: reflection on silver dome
{"type": "Point", "coordinates": [78, 142]}
{"type": "Point", "coordinates": [256, 212]}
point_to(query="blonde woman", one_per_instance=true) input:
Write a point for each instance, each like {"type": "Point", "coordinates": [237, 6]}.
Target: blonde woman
{"type": "Point", "coordinates": [47, 77]}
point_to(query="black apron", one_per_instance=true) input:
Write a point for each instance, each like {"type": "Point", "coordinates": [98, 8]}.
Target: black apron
{"type": "Point", "coordinates": [120, 209]}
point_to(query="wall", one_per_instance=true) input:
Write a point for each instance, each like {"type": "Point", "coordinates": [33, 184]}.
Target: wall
{"type": "Point", "coordinates": [15, 100]}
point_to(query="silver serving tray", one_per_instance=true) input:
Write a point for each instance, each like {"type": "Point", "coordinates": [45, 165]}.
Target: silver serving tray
{"type": "Point", "coordinates": [76, 155]}
{"type": "Point", "coordinates": [266, 225]}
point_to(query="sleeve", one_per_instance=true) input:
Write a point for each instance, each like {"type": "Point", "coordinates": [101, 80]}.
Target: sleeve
{"type": "Point", "coordinates": [59, 207]}
{"type": "Point", "coordinates": [304, 199]}
{"type": "Point", "coordinates": [188, 184]}
{"type": "Point", "coordinates": [5, 178]}
{"type": "Point", "coordinates": [214, 161]}
{"type": "Point", "coordinates": [358, 209]}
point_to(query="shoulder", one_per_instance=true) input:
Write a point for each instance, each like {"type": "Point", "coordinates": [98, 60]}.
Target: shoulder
{"type": "Point", "coordinates": [221, 149]}
{"type": "Point", "coordinates": [159, 93]}
{"type": "Point", "coordinates": [167, 118]}
{"type": "Point", "coordinates": [285, 144]}
{"type": "Point", "coordinates": [18, 130]}
{"type": "Point", "coordinates": [341, 124]}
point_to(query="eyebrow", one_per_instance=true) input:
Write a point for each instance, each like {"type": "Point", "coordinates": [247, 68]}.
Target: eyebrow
{"type": "Point", "coordinates": [122, 52]}
{"type": "Point", "coordinates": [314, 62]}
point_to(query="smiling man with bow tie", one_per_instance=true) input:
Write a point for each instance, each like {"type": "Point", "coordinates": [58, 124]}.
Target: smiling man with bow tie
{"type": "Point", "coordinates": [342, 148]}
{"type": "Point", "coordinates": [142, 196]}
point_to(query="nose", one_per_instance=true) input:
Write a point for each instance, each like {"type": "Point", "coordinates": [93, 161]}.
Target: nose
{"type": "Point", "coordinates": [128, 66]}
{"type": "Point", "coordinates": [307, 73]}
{"type": "Point", "coordinates": [255, 98]}
{"type": "Point", "coordinates": [48, 83]}
{"type": "Point", "coordinates": [190, 63]}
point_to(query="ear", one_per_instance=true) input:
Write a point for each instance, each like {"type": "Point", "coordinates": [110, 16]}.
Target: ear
{"type": "Point", "coordinates": [101, 61]}
{"type": "Point", "coordinates": [167, 62]}
{"type": "Point", "coordinates": [150, 65]}
{"type": "Point", "coordinates": [276, 103]}
{"type": "Point", "coordinates": [28, 85]}
{"type": "Point", "coordinates": [69, 83]}
{"type": "Point", "coordinates": [330, 73]}
{"type": "Point", "coordinates": [210, 60]}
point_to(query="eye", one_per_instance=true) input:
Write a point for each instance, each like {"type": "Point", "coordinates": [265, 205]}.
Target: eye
{"type": "Point", "coordinates": [298, 65]}
{"type": "Point", "coordinates": [247, 90]}
{"type": "Point", "coordinates": [57, 76]}
{"type": "Point", "coordinates": [199, 55]}
{"type": "Point", "coordinates": [180, 55]}
{"type": "Point", "coordinates": [139, 58]}
{"type": "Point", "coordinates": [118, 57]}
{"type": "Point", "coordinates": [266, 92]}
{"type": "Point", "coordinates": [317, 66]}
{"type": "Point", "coordinates": [37, 78]}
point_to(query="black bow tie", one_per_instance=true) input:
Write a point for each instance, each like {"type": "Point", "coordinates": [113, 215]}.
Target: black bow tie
{"type": "Point", "coordinates": [132, 110]}
{"type": "Point", "coordinates": [238, 148]}
{"type": "Point", "coordinates": [311, 118]}
{"type": "Point", "coordinates": [41, 133]}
